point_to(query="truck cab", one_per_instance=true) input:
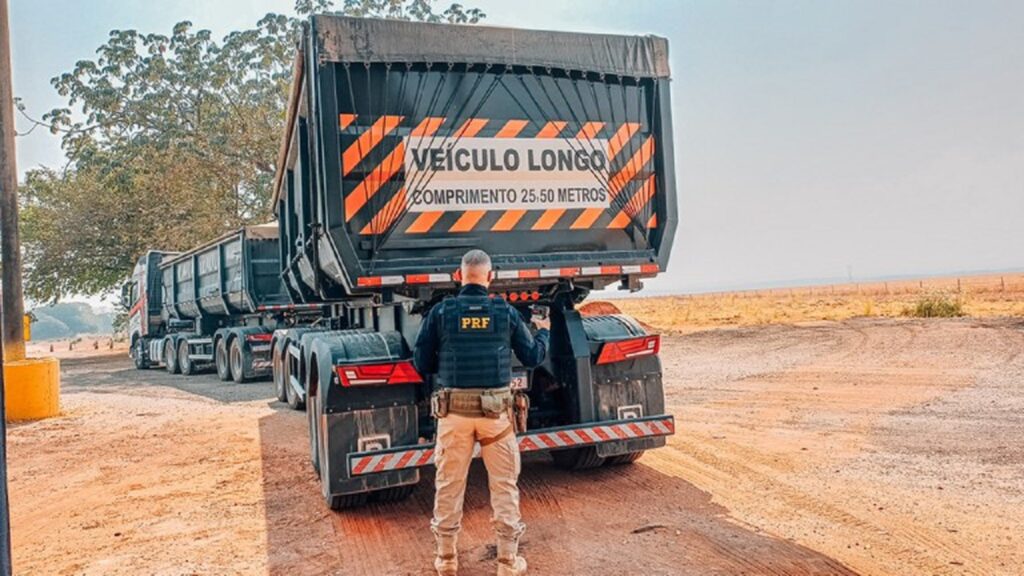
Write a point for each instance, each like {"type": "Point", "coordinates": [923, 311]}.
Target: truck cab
{"type": "Point", "coordinates": [141, 296]}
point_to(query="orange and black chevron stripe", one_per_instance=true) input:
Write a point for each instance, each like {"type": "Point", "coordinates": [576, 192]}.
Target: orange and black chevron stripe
{"type": "Point", "coordinates": [375, 188]}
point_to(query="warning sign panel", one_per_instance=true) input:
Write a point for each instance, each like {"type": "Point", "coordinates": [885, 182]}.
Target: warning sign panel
{"type": "Point", "coordinates": [505, 174]}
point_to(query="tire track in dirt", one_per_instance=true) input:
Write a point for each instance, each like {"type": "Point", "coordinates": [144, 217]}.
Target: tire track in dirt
{"type": "Point", "coordinates": [769, 487]}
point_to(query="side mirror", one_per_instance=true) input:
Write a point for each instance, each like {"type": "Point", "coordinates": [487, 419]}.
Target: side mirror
{"type": "Point", "coordinates": [126, 295]}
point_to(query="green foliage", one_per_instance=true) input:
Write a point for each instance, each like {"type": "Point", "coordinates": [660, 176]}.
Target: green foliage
{"type": "Point", "coordinates": [171, 140]}
{"type": "Point", "coordinates": [936, 305]}
{"type": "Point", "coordinates": [69, 319]}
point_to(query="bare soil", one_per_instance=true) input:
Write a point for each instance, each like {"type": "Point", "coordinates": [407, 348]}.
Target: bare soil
{"type": "Point", "coordinates": [865, 446]}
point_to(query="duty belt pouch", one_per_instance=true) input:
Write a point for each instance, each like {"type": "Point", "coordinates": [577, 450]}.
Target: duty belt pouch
{"type": "Point", "coordinates": [439, 403]}
{"type": "Point", "coordinates": [494, 403]}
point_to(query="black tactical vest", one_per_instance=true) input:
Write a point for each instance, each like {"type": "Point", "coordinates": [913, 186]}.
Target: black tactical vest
{"type": "Point", "coordinates": [475, 343]}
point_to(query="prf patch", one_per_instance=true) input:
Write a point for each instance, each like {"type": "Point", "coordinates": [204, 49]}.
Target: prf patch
{"type": "Point", "coordinates": [475, 324]}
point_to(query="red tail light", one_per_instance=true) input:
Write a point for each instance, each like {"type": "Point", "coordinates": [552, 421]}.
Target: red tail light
{"type": "Point", "coordinates": [259, 337]}
{"type": "Point", "coordinates": [629, 349]}
{"type": "Point", "coordinates": [401, 372]}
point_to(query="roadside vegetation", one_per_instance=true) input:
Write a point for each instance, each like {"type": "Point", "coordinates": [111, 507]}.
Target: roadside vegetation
{"type": "Point", "coordinates": [936, 305]}
{"type": "Point", "coordinates": [163, 129]}
{"type": "Point", "coordinates": [985, 296]}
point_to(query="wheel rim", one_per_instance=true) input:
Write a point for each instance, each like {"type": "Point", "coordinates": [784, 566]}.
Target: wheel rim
{"type": "Point", "coordinates": [236, 360]}
{"type": "Point", "coordinates": [183, 360]}
{"type": "Point", "coordinates": [170, 358]}
{"type": "Point", "coordinates": [275, 369]}
{"type": "Point", "coordinates": [222, 364]}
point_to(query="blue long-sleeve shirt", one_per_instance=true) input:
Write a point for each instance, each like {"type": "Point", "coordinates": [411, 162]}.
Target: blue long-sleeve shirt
{"type": "Point", "coordinates": [529, 349]}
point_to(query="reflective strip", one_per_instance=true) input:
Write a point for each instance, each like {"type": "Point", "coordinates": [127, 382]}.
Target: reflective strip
{"type": "Point", "coordinates": [634, 205]}
{"type": "Point", "coordinates": [424, 222]}
{"type": "Point", "coordinates": [589, 130]}
{"type": "Point", "coordinates": [423, 455]}
{"type": "Point", "coordinates": [383, 219]}
{"type": "Point", "coordinates": [508, 220]}
{"type": "Point", "coordinates": [367, 141]}
{"type": "Point", "coordinates": [427, 278]}
{"type": "Point", "coordinates": [373, 182]}
{"type": "Point", "coordinates": [632, 168]}
{"type": "Point", "coordinates": [551, 129]}
{"type": "Point", "coordinates": [346, 120]}
{"type": "Point", "coordinates": [512, 128]}
{"type": "Point", "coordinates": [528, 274]}
{"type": "Point", "coordinates": [467, 221]}
{"type": "Point", "coordinates": [371, 281]}
{"type": "Point", "coordinates": [621, 137]}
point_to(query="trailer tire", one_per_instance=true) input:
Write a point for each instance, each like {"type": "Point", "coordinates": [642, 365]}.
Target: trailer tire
{"type": "Point", "coordinates": [184, 361]}
{"type": "Point", "coordinates": [277, 363]}
{"type": "Point", "coordinates": [292, 397]}
{"type": "Point", "coordinates": [346, 501]}
{"type": "Point", "coordinates": [314, 435]}
{"type": "Point", "coordinates": [623, 459]}
{"type": "Point", "coordinates": [393, 494]}
{"type": "Point", "coordinates": [577, 458]}
{"type": "Point", "coordinates": [237, 359]}
{"type": "Point", "coordinates": [170, 357]}
{"type": "Point", "coordinates": [139, 355]}
{"type": "Point", "coordinates": [220, 360]}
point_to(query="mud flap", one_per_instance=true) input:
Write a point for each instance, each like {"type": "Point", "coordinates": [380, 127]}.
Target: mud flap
{"type": "Point", "coordinates": [368, 430]}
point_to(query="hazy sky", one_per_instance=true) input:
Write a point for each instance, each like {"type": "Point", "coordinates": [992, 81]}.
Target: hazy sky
{"type": "Point", "coordinates": [813, 138]}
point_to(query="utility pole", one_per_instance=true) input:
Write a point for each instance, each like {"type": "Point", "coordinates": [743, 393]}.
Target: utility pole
{"type": "Point", "coordinates": [10, 252]}
{"type": "Point", "coordinates": [12, 337]}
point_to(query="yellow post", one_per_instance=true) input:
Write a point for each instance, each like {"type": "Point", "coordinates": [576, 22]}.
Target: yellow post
{"type": "Point", "coordinates": [32, 388]}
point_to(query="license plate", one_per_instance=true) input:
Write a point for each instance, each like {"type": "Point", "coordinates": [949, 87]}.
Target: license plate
{"type": "Point", "coordinates": [520, 381]}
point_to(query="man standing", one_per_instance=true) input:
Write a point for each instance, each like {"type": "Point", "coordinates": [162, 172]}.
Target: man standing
{"type": "Point", "coordinates": [468, 342]}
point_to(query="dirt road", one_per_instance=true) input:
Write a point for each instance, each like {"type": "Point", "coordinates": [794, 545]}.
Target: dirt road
{"type": "Point", "coordinates": [878, 447]}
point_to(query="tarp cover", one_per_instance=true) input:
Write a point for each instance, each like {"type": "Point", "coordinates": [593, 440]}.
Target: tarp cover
{"type": "Point", "coordinates": [346, 39]}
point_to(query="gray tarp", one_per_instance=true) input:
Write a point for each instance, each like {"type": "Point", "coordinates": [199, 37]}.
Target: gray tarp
{"type": "Point", "coordinates": [343, 39]}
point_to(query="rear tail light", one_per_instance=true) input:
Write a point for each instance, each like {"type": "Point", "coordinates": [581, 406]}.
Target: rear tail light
{"type": "Point", "coordinates": [401, 372]}
{"type": "Point", "coordinates": [259, 337]}
{"type": "Point", "coordinates": [629, 349]}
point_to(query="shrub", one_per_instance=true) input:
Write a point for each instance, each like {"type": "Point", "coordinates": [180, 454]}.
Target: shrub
{"type": "Point", "coordinates": [936, 305]}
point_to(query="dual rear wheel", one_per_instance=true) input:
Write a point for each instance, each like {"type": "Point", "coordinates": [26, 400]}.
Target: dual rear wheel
{"type": "Point", "coordinates": [230, 360]}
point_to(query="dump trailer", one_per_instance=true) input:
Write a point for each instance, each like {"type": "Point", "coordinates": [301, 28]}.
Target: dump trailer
{"type": "Point", "coordinates": [215, 306]}
{"type": "Point", "coordinates": [408, 144]}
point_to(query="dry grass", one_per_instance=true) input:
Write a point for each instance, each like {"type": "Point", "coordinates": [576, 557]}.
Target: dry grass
{"type": "Point", "coordinates": [978, 296]}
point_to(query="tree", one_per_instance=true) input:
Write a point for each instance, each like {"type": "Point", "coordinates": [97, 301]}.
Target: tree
{"type": "Point", "coordinates": [171, 140]}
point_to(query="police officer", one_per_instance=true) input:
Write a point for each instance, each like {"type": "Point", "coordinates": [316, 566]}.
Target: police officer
{"type": "Point", "coordinates": [468, 341]}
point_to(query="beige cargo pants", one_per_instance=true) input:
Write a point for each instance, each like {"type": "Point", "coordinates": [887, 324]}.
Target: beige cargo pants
{"type": "Point", "coordinates": [456, 436]}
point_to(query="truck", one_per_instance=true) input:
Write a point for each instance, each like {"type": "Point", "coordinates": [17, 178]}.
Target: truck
{"type": "Point", "coordinates": [213, 307]}
{"type": "Point", "coordinates": [407, 144]}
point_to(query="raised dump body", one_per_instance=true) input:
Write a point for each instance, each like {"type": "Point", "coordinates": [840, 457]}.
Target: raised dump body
{"type": "Point", "coordinates": [238, 273]}
{"type": "Point", "coordinates": [551, 151]}
{"type": "Point", "coordinates": [408, 144]}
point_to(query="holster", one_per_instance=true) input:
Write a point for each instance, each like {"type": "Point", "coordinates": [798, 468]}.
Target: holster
{"type": "Point", "coordinates": [440, 403]}
{"type": "Point", "coordinates": [520, 411]}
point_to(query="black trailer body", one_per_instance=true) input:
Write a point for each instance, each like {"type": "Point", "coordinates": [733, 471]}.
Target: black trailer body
{"type": "Point", "coordinates": [408, 144]}
{"type": "Point", "coordinates": [219, 304]}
